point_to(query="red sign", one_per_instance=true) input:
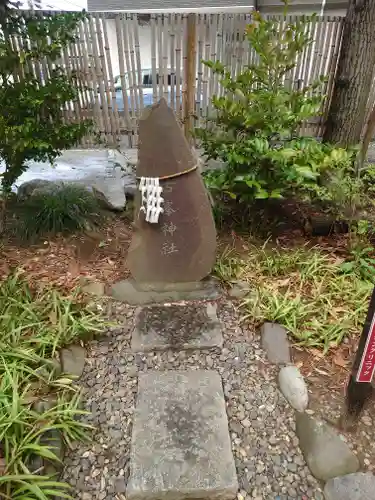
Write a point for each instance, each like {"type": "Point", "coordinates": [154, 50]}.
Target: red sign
{"type": "Point", "coordinates": [367, 366]}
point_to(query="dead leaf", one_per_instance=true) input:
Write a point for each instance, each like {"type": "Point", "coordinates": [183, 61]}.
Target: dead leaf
{"type": "Point", "coordinates": [339, 360]}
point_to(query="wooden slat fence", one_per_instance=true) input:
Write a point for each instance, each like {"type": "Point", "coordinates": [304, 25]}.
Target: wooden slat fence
{"type": "Point", "coordinates": [121, 70]}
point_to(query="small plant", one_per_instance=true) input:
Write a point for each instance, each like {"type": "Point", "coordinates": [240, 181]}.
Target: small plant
{"type": "Point", "coordinates": [33, 326]}
{"type": "Point", "coordinates": [303, 289]}
{"type": "Point", "coordinates": [66, 209]}
{"type": "Point", "coordinates": [255, 127]}
{"type": "Point", "coordinates": [228, 267]}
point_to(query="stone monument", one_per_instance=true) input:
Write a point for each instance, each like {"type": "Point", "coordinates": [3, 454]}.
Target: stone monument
{"type": "Point", "coordinates": [174, 240]}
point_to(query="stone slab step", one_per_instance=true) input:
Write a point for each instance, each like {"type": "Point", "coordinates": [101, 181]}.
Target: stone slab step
{"type": "Point", "coordinates": [176, 326]}
{"type": "Point", "coordinates": [181, 447]}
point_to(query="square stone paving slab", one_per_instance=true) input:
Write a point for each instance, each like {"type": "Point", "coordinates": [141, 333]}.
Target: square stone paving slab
{"type": "Point", "coordinates": [176, 326]}
{"type": "Point", "coordinates": [181, 447]}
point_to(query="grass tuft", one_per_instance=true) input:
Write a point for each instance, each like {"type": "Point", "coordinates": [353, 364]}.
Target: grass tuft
{"type": "Point", "coordinates": [66, 209]}
{"type": "Point", "coordinates": [303, 289]}
{"type": "Point", "coordinates": [33, 326]}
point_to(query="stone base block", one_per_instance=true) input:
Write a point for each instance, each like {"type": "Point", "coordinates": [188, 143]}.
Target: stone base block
{"type": "Point", "coordinates": [181, 447]}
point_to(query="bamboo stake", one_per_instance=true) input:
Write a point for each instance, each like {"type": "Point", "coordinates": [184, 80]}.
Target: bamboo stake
{"type": "Point", "coordinates": [153, 59]}
{"type": "Point", "coordinates": [94, 83]}
{"type": "Point", "coordinates": [133, 65]}
{"type": "Point", "coordinates": [160, 55]}
{"type": "Point", "coordinates": [200, 66]}
{"type": "Point", "coordinates": [99, 78]}
{"type": "Point", "coordinates": [165, 57]}
{"type": "Point", "coordinates": [172, 24]}
{"type": "Point", "coordinates": [138, 60]}
{"type": "Point", "coordinates": [214, 21]}
{"type": "Point", "coordinates": [219, 51]}
{"type": "Point", "coordinates": [190, 73]}
{"type": "Point", "coordinates": [128, 72]}
{"type": "Point", "coordinates": [207, 50]}
{"type": "Point", "coordinates": [102, 61]}
{"type": "Point", "coordinates": [116, 116]}
{"type": "Point", "coordinates": [119, 37]}
{"type": "Point", "coordinates": [179, 24]}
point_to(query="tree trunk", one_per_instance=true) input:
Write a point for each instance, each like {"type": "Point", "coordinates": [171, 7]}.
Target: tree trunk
{"type": "Point", "coordinates": [354, 75]}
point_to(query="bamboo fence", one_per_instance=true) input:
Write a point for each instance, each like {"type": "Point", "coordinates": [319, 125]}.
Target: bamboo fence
{"type": "Point", "coordinates": [178, 45]}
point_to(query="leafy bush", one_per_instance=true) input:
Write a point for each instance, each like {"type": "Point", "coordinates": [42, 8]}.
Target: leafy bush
{"type": "Point", "coordinates": [66, 209]}
{"type": "Point", "coordinates": [32, 124]}
{"type": "Point", "coordinates": [254, 129]}
{"type": "Point", "coordinates": [33, 326]}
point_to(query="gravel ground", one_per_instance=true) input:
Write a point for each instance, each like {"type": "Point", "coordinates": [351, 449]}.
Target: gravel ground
{"type": "Point", "coordinates": [268, 460]}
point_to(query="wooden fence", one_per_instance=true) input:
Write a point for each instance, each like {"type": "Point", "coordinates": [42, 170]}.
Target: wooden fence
{"type": "Point", "coordinates": [121, 72]}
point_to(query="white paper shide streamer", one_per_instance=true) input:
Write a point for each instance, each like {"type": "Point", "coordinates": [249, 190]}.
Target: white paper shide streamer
{"type": "Point", "coordinates": [151, 198]}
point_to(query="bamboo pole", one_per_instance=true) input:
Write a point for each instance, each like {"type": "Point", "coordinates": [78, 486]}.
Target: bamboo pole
{"type": "Point", "coordinates": [110, 75]}
{"type": "Point", "coordinates": [172, 24]}
{"type": "Point", "coordinates": [138, 60]}
{"type": "Point", "coordinates": [165, 57]}
{"type": "Point", "coordinates": [132, 62]}
{"type": "Point", "coordinates": [128, 72]}
{"type": "Point", "coordinates": [207, 51]}
{"type": "Point", "coordinates": [179, 23]}
{"type": "Point", "coordinates": [153, 59]}
{"type": "Point", "coordinates": [219, 51]}
{"type": "Point", "coordinates": [119, 37]}
{"type": "Point", "coordinates": [190, 73]}
{"type": "Point", "coordinates": [200, 66]}
{"type": "Point", "coordinates": [159, 75]}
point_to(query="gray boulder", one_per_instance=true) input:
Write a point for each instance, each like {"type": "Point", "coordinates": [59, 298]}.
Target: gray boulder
{"type": "Point", "coordinates": [359, 486]}
{"type": "Point", "coordinates": [326, 453]}
{"type": "Point", "coordinates": [293, 387]}
{"type": "Point", "coordinates": [72, 360]}
{"type": "Point", "coordinates": [109, 196]}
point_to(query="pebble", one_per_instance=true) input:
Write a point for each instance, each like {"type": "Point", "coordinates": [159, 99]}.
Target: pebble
{"type": "Point", "coordinates": [261, 422]}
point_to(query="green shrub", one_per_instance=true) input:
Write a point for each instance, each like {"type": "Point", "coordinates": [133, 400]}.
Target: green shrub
{"type": "Point", "coordinates": [256, 122]}
{"type": "Point", "coordinates": [33, 326]}
{"type": "Point", "coordinates": [66, 209]}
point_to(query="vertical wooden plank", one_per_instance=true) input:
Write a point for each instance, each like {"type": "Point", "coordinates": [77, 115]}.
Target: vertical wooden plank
{"type": "Point", "coordinates": [191, 40]}
{"type": "Point", "coordinates": [153, 58]}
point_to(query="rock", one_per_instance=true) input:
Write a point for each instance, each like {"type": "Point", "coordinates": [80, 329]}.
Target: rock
{"type": "Point", "coordinates": [238, 289]}
{"type": "Point", "coordinates": [358, 486]}
{"type": "Point", "coordinates": [326, 453]}
{"type": "Point", "coordinates": [45, 404]}
{"type": "Point", "coordinates": [136, 293]}
{"type": "Point", "coordinates": [181, 247]}
{"type": "Point", "coordinates": [94, 288]}
{"type": "Point", "coordinates": [188, 326]}
{"type": "Point", "coordinates": [27, 189]}
{"type": "Point", "coordinates": [275, 343]}
{"type": "Point", "coordinates": [72, 360]}
{"type": "Point", "coordinates": [293, 387]}
{"type": "Point", "coordinates": [180, 443]}
{"type": "Point", "coordinates": [109, 195]}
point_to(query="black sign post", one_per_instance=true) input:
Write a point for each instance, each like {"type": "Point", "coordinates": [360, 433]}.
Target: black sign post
{"type": "Point", "coordinates": [359, 389]}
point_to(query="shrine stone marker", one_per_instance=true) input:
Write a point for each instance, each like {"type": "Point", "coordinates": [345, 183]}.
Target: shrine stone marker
{"type": "Point", "coordinates": [181, 447]}
{"type": "Point", "coordinates": [180, 247]}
